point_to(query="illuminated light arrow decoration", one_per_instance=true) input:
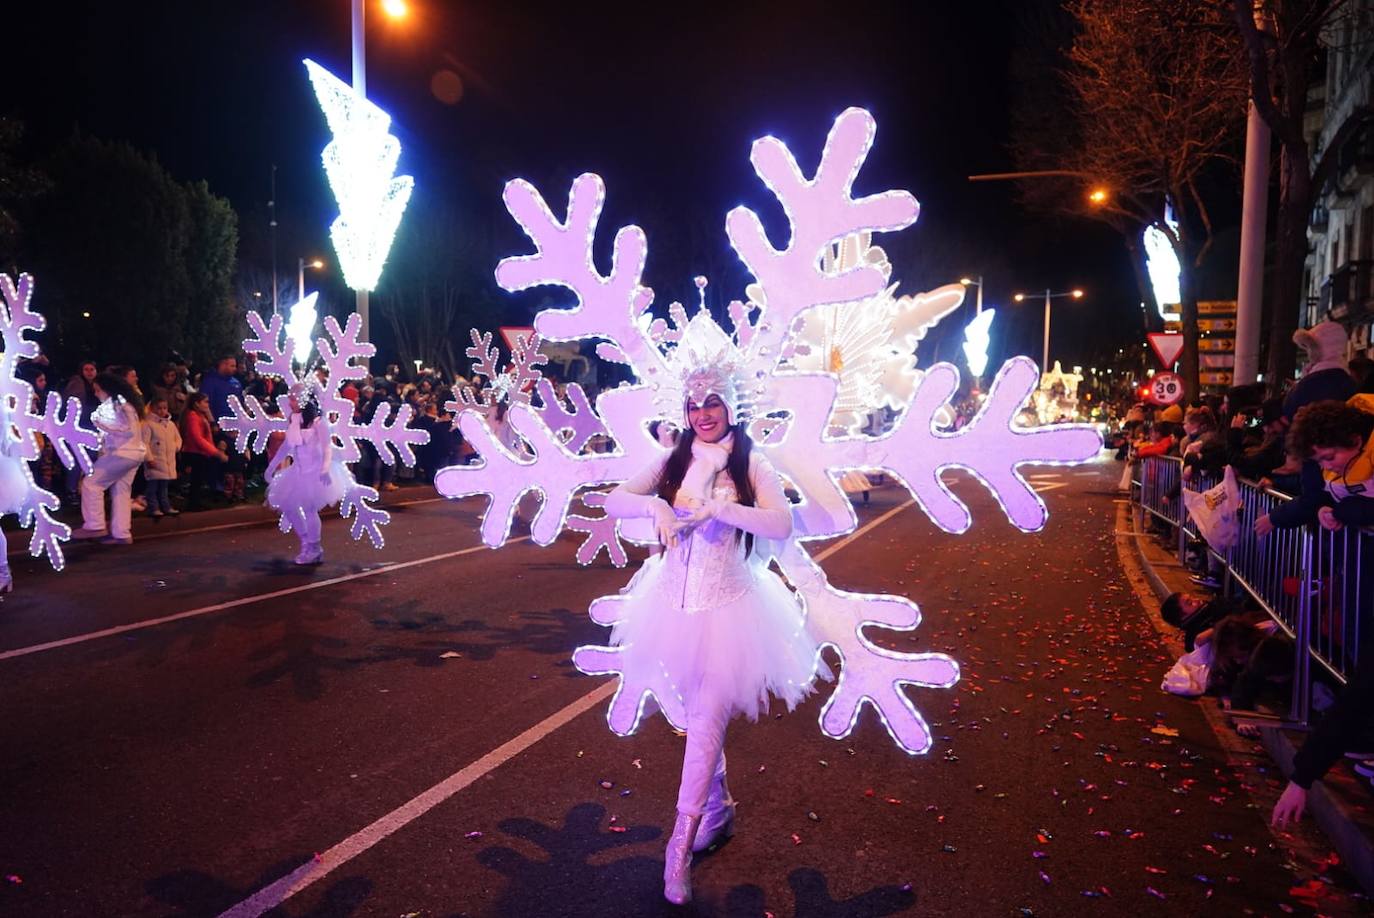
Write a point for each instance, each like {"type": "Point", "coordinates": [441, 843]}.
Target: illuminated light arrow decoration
{"type": "Point", "coordinates": [300, 327]}
{"type": "Point", "coordinates": [977, 337]}
{"type": "Point", "coordinates": [360, 163]}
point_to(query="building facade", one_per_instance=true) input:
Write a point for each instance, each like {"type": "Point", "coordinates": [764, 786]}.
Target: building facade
{"type": "Point", "coordinates": [1340, 263]}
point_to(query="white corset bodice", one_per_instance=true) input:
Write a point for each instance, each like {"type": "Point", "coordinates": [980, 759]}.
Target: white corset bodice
{"type": "Point", "coordinates": [709, 566]}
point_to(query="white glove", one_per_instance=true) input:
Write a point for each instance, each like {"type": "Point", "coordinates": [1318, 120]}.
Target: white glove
{"type": "Point", "coordinates": [665, 522]}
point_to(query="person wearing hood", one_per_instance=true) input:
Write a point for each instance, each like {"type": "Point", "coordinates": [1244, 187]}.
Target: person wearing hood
{"type": "Point", "coordinates": [1326, 374]}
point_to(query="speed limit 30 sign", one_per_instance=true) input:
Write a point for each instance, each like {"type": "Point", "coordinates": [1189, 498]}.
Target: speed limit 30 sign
{"type": "Point", "coordinates": [1166, 389]}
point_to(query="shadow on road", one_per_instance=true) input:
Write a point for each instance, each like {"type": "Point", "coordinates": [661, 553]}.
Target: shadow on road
{"type": "Point", "coordinates": [576, 876]}
{"type": "Point", "coordinates": [193, 892]}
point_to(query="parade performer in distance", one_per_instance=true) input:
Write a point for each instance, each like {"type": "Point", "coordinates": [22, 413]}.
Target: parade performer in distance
{"type": "Point", "coordinates": [705, 620]}
{"type": "Point", "coordinates": [312, 479]}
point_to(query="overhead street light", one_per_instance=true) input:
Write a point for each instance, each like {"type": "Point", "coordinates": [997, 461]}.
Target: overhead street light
{"type": "Point", "coordinates": [970, 282]}
{"type": "Point", "coordinates": [1076, 293]}
{"type": "Point", "coordinates": [301, 265]}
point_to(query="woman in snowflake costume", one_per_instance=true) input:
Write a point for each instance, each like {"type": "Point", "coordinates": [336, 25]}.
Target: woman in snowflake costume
{"type": "Point", "coordinates": [706, 621]}
{"type": "Point", "coordinates": [314, 478]}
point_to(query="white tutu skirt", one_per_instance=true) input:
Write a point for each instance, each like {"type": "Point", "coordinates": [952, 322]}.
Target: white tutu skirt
{"type": "Point", "coordinates": [297, 486]}
{"type": "Point", "coordinates": [14, 484]}
{"type": "Point", "coordinates": [739, 652]}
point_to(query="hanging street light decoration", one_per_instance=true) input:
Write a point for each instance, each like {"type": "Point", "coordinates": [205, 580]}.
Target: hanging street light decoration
{"type": "Point", "coordinates": [360, 163]}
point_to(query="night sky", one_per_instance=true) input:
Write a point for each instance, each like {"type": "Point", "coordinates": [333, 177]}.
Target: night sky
{"type": "Point", "coordinates": [662, 104]}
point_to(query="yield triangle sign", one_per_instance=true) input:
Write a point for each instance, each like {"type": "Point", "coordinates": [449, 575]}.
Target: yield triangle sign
{"type": "Point", "coordinates": [1167, 346]}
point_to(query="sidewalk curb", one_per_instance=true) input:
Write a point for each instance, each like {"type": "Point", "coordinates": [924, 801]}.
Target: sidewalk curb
{"type": "Point", "coordinates": [1336, 801]}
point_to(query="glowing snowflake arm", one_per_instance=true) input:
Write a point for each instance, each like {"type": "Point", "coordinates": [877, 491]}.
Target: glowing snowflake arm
{"type": "Point", "coordinates": [819, 211]}
{"type": "Point", "coordinates": [601, 533]}
{"type": "Point", "coordinates": [272, 354]}
{"type": "Point", "coordinates": [870, 674]}
{"type": "Point", "coordinates": [72, 442]}
{"type": "Point", "coordinates": [250, 423]}
{"type": "Point", "coordinates": [554, 472]}
{"type": "Point", "coordinates": [990, 446]}
{"type": "Point", "coordinates": [607, 306]}
{"type": "Point", "coordinates": [395, 437]}
{"type": "Point", "coordinates": [580, 424]}
{"type": "Point", "coordinates": [345, 360]}
{"type": "Point", "coordinates": [359, 502]}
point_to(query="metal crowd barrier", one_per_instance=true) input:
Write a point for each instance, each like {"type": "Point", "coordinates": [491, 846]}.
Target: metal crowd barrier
{"type": "Point", "coordinates": [1318, 585]}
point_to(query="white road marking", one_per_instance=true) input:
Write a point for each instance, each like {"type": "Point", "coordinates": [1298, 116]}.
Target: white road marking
{"type": "Point", "coordinates": [243, 601]}
{"type": "Point", "coordinates": [218, 527]}
{"type": "Point", "coordinates": [269, 897]}
{"type": "Point", "coordinates": [272, 896]}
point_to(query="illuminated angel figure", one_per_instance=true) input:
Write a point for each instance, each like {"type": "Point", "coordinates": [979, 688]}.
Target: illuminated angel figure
{"type": "Point", "coordinates": [321, 436]}
{"type": "Point", "coordinates": [23, 423]}
{"type": "Point", "coordinates": [733, 523]}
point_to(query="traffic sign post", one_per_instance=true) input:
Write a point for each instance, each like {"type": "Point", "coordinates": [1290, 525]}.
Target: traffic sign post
{"type": "Point", "coordinates": [1167, 346]}
{"type": "Point", "coordinates": [1166, 389]}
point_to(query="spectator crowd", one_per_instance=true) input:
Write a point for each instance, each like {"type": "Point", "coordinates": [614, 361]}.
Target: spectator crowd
{"type": "Point", "coordinates": [174, 455]}
{"type": "Point", "coordinates": [1313, 444]}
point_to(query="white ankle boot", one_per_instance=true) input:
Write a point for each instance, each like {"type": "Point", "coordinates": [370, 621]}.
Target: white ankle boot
{"type": "Point", "coordinates": [718, 823]}
{"type": "Point", "coordinates": [677, 860]}
{"type": "Point", "coordinates": [311, 553]}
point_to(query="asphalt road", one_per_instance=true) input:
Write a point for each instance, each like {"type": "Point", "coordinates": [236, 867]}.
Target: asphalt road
{"type": "Point", "coordinates": [189, 720]}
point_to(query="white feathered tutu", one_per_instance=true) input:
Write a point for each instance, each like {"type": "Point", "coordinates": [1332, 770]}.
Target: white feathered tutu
{"type": "Point", "coordinates": [720, 622]}
{"type": "Point", "coordinates": [300, 485]}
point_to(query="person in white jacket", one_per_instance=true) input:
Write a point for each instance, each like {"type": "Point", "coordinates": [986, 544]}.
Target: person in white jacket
{"type": "Point", "coordinates": [119, 420]}
{"type": "Point", "coordinates": [162, 440]}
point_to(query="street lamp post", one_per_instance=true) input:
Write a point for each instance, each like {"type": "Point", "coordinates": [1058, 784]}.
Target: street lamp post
{"type": "Point", "coordinates": [970, 282]}
{"type": "Point", "coordinates": [301, 265]}
{"type": "Point", "coordinates": [1076, 293]}
{"type": "Point", "coordinates": [396, 9]}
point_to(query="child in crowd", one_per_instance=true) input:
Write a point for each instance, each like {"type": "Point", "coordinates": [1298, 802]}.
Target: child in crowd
{"type": "Point", "coordinates": [162, 441]}
{"type": "Point", "coordinates": [235, 469]}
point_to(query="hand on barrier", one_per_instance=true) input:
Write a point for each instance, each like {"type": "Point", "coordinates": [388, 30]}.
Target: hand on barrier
{"type": "Point", "coordinates": [1327, 517]}
{"type": "Point", "coordinates": [1263, 526]}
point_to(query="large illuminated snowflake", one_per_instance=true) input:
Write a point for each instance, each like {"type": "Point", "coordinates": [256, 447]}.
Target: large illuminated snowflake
{"type": "Point", "coordinates": [19, 439]}
{"type": "Point", "coordinates": [342, 359]}
{"type": "Point", "coordinates": [790, 281]}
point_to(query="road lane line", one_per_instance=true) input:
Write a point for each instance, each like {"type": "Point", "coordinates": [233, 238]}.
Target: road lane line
{"type": "Point", "coordinates": [269, 897]}
{"type": "Point", "coordinates": [219, 527]}
{"type": "Point", "coordinates": [272, 896]}
{"type": "Point", "coordinates": [243, 601]}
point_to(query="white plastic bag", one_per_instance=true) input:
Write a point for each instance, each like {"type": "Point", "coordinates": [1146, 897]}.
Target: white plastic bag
{"type": "Point", "coordinates": [1188, 675]}
{"type": "Point", "coordinates": [1216, 511]}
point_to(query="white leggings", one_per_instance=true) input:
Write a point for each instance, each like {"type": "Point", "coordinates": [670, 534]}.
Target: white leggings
{"type": "Point", "coordinates": [707, 718]}
{"type": "Point", "coordinates": [306, 524]}
{"type": "Point", "coordinates": [115, 474]}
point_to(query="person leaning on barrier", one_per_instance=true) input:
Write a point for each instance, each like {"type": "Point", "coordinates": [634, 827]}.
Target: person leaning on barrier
{"type": "Point", "coordinates": [1205, 449]}
{"type": "Point", "coordinates": [1256, 440]}
{"type": "Point", "coordinates": [1193, 614]}
{"type": "Point", "coordinates": [1339, 438]}
{"type": "Point", "coordinates": [1336, 442]}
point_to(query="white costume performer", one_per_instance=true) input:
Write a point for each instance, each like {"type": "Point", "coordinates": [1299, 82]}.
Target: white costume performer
{"type": "Point", "coordinates": [314, 478]}
{"type": "Point", "coordinates": [14, 489]}
{"type": "Point", "coordinates": [706, 621]}
{"type": "Point", "coordinates": [121, 453]}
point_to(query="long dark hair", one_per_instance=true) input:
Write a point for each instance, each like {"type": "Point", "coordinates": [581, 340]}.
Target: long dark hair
{"type": "Point", "coordinates": [118, 387]}
{"type": "Point", "coordinates": [675, 469]}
